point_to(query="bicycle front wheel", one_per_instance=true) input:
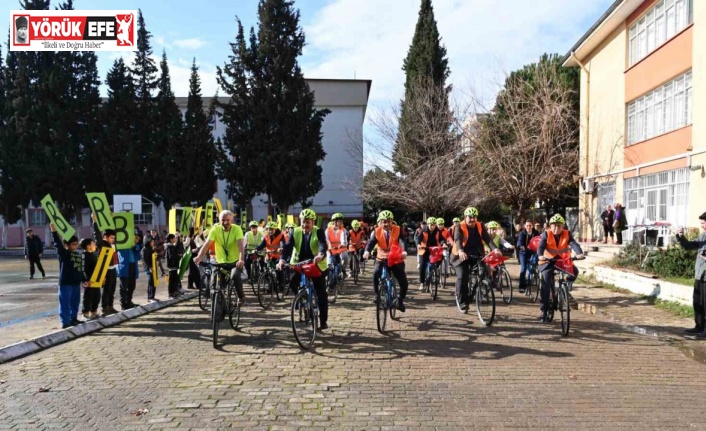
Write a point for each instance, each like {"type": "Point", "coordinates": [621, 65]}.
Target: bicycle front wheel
{"type": "Point", "coordinates": [485, 302]}
{"type": "Point", "coordinates": [303, 320]}
{"type": "Point", "coordinates": [534, 285]}
{"type": "Point", "coordinates": [506, 286]}
{"type": "Point", "coordinates": [233, 308]}
{"type": "Point", "coordinates": [392, 302]}
{"type": "Point", "coordinates": [216, 315]}
{"type": "Point", "coordinates": [265, 291]}
{"type": "Point", "coordinates": [332, 289]}
{"type": "Point", "coordinates": [254, 276]}
{"type": "Point", "coordinates": [356, 269]}
{"type": "Point", "coordinates": [434, 285]}
{"type": "Point", "coordinates": [204, 292]}
{"type": "Point", "coordinates": [564, 309]}
{"type": "Point", "coordinates": [381, 309]}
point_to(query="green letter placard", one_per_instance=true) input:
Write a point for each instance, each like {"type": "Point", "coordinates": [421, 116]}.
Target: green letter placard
{"type": "Point", "coordinates": [124, 230]}
{"type": "Point", "coordinates": [62, 226]}
{"type": "Point", "coordinates": [186, 215]}
{"type": "Point", "coordinates": [100, 207]}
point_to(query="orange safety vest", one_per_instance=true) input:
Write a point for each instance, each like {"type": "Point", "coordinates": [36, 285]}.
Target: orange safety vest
{"type": "Point", "coordinates": [445, 233]}
{"type": "Point", "coordinates": [422, 248]}
{"type": "Point", "coordinates": [272, 244]}
{"type": "Point", "coordinates": [334, 240]}
{"type": "Point", "coordinates": [464, 229]}
{"type": "Point", "coordinates": [552, 249]}
{"type": "Point", "coordinates": [383, 246]}
{"type": "Point", "coordinates": [357, 239]}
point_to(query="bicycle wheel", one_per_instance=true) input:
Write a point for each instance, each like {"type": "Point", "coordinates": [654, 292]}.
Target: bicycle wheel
{"type": "Point", "coordinates": [434, 284]}
{"type": "Point", "coordinates": [392, 303]}
{"type": "Point", "coordinates": [255, 276]}
{"type": "Point", "coordinates": [216, 315]}
{"type": "Point", "coordinates": [204, 292]}
{"type": "Point", "coordinates": [381, 308]}
{"type": "Point", "coordinates": [442, 283]}
{"type": "Point", "coordinates": [356, 269]}
{"type": "Point", "coordinates": [564, 309]}
{"type": "Point", "coordinates": [233, 308]}
{"type": "Point", "coordinates": [534, 283]}
{"type": "Point", "coordinates": [303, 320]}
{"type": "Point", "coordinates": [265, 290]}
{"type": "Point", "coordinates": [485, 302]}
{"type": "Point", "coordinates": [552, 304]}
{"type": "Point", "coordinates": [506, 286]}
{"type": "Point", "coordinates": [362, 265]}
{"type": "Point", "coordinates": [332, 289]}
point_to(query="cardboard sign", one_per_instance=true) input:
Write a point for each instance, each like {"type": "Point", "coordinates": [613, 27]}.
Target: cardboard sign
{"type": "Point", "coordinates": [155, 279]}
{"type": "Point", "coordinates": [319, 221]}
{"type": "Point", "coordinates": [197, 218]}
{"type": "Point", "coordinates": [172, 220]}
{"type": "Point", "coordinates": [208, 217]}
{"type": "Point", "coordinates": [124, 230]}
{"type": "Point", "coordinates": [105, 258]}
{"type": "Point", "coordinates": [62, 226]}
{"type": "Point", "coordinates": [280, 221]}
{"type": "Point", "coordinates": [184, 262]}
{"type": "Point", "coordinates": [186, 220]}
{"type": "Point", "coordinates": [244, 220]}
{"type": "Point", "coordinates": [219, 205]}
{"type": "Point", "coordinates": [100, 208]}
{"type": "Point", "coordinates": [290, 219]}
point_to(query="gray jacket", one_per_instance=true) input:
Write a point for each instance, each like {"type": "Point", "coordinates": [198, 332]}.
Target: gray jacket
{"type": "Point", "coordinates": [700, 245]}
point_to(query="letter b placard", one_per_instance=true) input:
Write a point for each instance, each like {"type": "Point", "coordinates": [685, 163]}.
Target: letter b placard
{"type": "Point", "coordinates": [62, 226]}
{"type": "Point", "coordinates": [124, 230]}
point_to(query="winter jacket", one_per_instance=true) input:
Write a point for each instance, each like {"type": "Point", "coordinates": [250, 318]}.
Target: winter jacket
{"type": "Point", "coordinates": [33, 246]}
{"type": "Point", "coordinates": [70, 264]}
{"type": "Point", "coordinates": [128, 256]}
{"type": "Point", "coordinates": [173, 256]}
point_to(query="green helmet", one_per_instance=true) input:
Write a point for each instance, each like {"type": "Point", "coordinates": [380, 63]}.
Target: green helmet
{"type": "Point", "coordinates": [288, 226]}
{"type": "Point", "coordinates": [385, 215]}
{"type": "Point", "coordinates": [355, 224]}
{"type": "Point", "coordinates": [456, 220]}
{"type": "Point", "coordinates": [337, 216]}
{"type": "Point", "coordinates": [307, 214]}
{"type": "Point", "coordinates": [431, 220]}
{"type": "Point", "coordinates": [557, 219]}
{"type": "Point", "coordinates": [330, 224]}
{"type": "Point", "coordinates": [470, 212]}
{"type": "Point", "coordinates": [440, 221]}
{"type": "Point", "coordinates": [493, 225]}
{"type": "Point", "coordinates": [272, 225]}
{"type": "Point", "coordinates": [253, 224]}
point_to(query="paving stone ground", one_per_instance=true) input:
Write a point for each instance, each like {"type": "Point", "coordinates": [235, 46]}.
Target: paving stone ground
{"type": "Point", "coordinates": [437, 370]}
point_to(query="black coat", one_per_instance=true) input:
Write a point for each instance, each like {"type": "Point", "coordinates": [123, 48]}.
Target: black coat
{"type": "Point", "coordinates": [608, 217]}
{"type": "Point", "coordinates": [33, 246]}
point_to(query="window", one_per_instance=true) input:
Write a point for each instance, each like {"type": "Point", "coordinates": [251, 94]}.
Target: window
{"type": "Point", "coordinates": [146, 216]}
{"type": "Point", "coordinates": [660, 111]}
{"type": "Point", "coordinates": [37, 217]}
{"type": "Point", "coordinates": [664, 20]}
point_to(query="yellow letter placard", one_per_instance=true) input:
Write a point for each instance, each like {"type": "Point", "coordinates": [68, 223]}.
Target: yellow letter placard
{"type": "Point", "coordinates": [219, 205]}
{"type": "Point", "coordinates": [244, 220]}
{"type": "Point", "coordinates": [172, 221]}
{"type": "Point", "coordinates": [290, 219]}
{"type": "Point", "coordinates": [197, 218]}
{"type": "Point", "coordinates": [105, 258]}
{"type": "Point", "coordinates": [124, 230]}
{"type": "Point", "coordinates": [100, 207]}
{"type": "Point", "coordinates": [280, 221]}
{"type": "Point", "coordinates": [208, 217]}
{"type": "Point", "coordinates": [62, 226]}
{"type": "Point", "coordinates": [154, 270]}
{"type": "Point", "coordinates": [186, 219]}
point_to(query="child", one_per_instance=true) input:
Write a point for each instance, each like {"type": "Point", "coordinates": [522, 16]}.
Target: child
{"type": "Point", "coordinates": [147, 254]}
{"type": "Point", "coordinates": [172, 254]}
{"type": "Point", "coordinates": [92, 294]}
{"type": "Point", "coordinates": [70, 278]}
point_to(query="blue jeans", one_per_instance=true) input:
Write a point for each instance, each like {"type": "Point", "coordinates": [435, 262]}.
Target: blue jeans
{"type": "Point", "coordinates": [69, 300]}
{"type": "Point", "coordinates": [524, 261]}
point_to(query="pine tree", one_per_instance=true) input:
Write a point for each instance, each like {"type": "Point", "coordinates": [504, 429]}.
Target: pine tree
{"type": "Point", "coordinates": [144, 73]}
{"type": "Point", "coordinates": [199, 146]}
{"type": "Point", "coordinates": [272, 126]}
{"type": "Point", "coordinates": [426, 65]}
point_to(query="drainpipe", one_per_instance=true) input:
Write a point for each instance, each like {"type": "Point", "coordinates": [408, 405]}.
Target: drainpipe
{"type": "Point", "coordinates": [588, 135]}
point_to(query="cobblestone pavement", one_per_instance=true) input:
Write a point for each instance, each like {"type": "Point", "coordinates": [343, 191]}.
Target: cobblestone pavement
{"type": "Point", "coordinates": [437, 370]}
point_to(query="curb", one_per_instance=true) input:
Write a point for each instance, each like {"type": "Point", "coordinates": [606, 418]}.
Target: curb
{"type": "Point", "coordinates": [698, 355]}
{"type": "Point", "coordinates": [37, 344]}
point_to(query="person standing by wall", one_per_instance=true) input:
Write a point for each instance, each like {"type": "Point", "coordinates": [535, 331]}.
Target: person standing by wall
{"type": "Point", "coordinates": [608, 217]}
{"type": "Point", "coordinates": [34, 248]}
{"type": "Point", "coordinates": [699, 298]}
{"type": "Point", "coordinates": [620, 223]}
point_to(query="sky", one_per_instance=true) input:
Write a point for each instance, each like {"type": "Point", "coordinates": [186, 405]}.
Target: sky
{"type": "Point", "coordinates": [364, 39]}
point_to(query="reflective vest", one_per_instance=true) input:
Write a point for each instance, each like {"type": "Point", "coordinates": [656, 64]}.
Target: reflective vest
{"type": "Point", "coordinates": [272, 244]}
{"type": "Point", "coordinates": [422, 247]}
{"type": "Point", "coordinates": [383, 245]}
{"type": "Point", "coordinates": [464, 230]}
{"type": "Point", "coordinates": [313, 244]}
{"type": "Point", "coordinates": [552, 249]}
{"type": "Point", "coordinates": [334, 239]}
{"type": "Point", "coordinates": [445, 233]}
{"type": "Point", "coordinates": [253, 242]}
{"type": "Point", "coordinates": [357, 238]}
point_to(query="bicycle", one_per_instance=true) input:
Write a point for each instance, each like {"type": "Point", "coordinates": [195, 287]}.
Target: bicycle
{"type": "Point", "coordinates": [532, 279]}
{"type": "Point", "coordinates": [433, 275]}
{"type": "Point", "coordinates": [305, 305]}
{"type": "Point", "coordinates": [204, 287]}
{"type": "Point", "coordinates": [559, 298]}
{"type": "Point", "coordinates": [220, 304]}
{"type": "Point", "coordinates": [480, 290]}
{"type": "Point", "coordinates": [386, 299]}
{"type": "Point", "coordinates": [447, 268]}
{"type": "Point", "coordinates": [256, 268]}
{"type": "Point", "coordinates": [334, 279]}
{"type": "Point", "coordinates": [356, 262]}
{"type": "Point", "coordinates": [501, 280]}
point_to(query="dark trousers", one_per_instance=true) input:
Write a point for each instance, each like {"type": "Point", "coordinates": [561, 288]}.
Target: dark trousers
{"type": "Point", "coordinates": [69, 300]}
{"type": "Point", "coordinates": [463, 272]}
{"type": "Point", "coordinates": [159, 263]}
{"type": "Point", "coordinates": [127, 286]}
{"type": "Point", "coordinates": [194, 275]}
{"type": "Point", "coordinates": [547, 272]}
{"type": "Point", "coordinates": [35, 260]}
{"type": "Point", "coordinates": [618, 236]}
{"type": "Point", "coordinates": [320, 288]}
{"type": "Point", "coordinates": [423, 261]}
{"type": "Point", "coordinates": [151, 288]}
{"type": "Point", "coordinates": [173, 285]}
{"type": "Point", "coordinates": [398, 272]}
{"type": "Point", "coordinates": [91, 299]}
{"type": "Point", "coordinates": [608, 231]}
{"type": "Point", "coordinates": [700, 304]}
{"type": "Point", "coordinates": [109, 288]}
{"type": "Point", "coordinates": [235, 274]}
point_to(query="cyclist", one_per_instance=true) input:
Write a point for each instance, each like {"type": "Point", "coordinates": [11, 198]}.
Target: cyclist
{"type": "Point", "coordinates": [384, 237]}
{"type": "Point", "coordinates": [357, 238]}
{"type": "Point", "coordinates": [308, 242]}
{"type": "Point", "coordinates": [446, 235]}
{"type": "Point", "coordinates": [337, 243]}
{"type": "Point", "coordinates": [273, 242]}
{"type": "Point", "coordinates": [468, 240]}
{"type": "Point", "coordinates": [556, 241]}
{"type": "Point", "coordinates": [427, 238]}
{"type": "Point", "coordinates": [287, 231]}
{"type": "Point", "coordinates": [494, 229]}
{"type": "Point", "coordinates": [523, 241]}
{"type": "Point", "coordinates": [253, 238]}
{"type": "Point", "coordinates": [230, 248]}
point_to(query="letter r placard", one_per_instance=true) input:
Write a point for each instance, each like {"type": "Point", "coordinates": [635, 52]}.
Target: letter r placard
{"type": "Point", "coordinates": [62, 226]}
{"type": "Point", "coordinates": [99, 205]}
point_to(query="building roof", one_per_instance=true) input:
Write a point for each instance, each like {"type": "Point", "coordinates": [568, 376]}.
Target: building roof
{"type": "Point", "coordinates": [614, 17]}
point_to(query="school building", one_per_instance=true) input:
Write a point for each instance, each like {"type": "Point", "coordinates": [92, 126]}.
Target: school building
{"type": "Point", "coordinates": [643, 114]}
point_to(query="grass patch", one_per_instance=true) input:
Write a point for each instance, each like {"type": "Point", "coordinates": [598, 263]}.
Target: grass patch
{"type": "Point", "coordinates": [676, 308]}
{"type": "Point", "coordinates": [686, 281]}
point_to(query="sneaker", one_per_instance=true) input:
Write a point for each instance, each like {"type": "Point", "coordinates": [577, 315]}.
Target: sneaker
{"type": "Point", "coordinates": [86, 315]}
{"type": "Point", "coordinates": [464, 307]}
{"type": "Point", "coordinates": [75, 322]}
{"type": "Point", "coordinates": [694, 330]}
{"type": "Point", "coordinates": [43, 276]}
{"type": "Point", "coordinates": [133, 305]}
{"type": "Point", "coordinates": [401, 307]}
{"type": "Point", "coordinates": [107, 311]}
{"type": "Point", "coordinates": [170, 298]}
{"type": "Point", "coordinates": [421, 286]}
{"type": "Point", "coordinates": [68, 325]}
{"type": "Point", "coordinates": [543, 317]}
{"type": "Point", "coordinates": [31, 277]}
{"type": "Point", "coordinates": [323, 326]}
{"type": "Point", "coordinates": [151, 300]}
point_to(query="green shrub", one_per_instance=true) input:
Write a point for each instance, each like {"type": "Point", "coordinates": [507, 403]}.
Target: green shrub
{"type": "Point", "coordinates": [673, 262]}
{"type": "Point", "coordinates": [630, 257]}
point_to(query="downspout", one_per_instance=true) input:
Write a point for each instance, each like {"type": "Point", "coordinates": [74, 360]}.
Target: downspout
{"type": "Point", "coordinates": [588, 135]}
